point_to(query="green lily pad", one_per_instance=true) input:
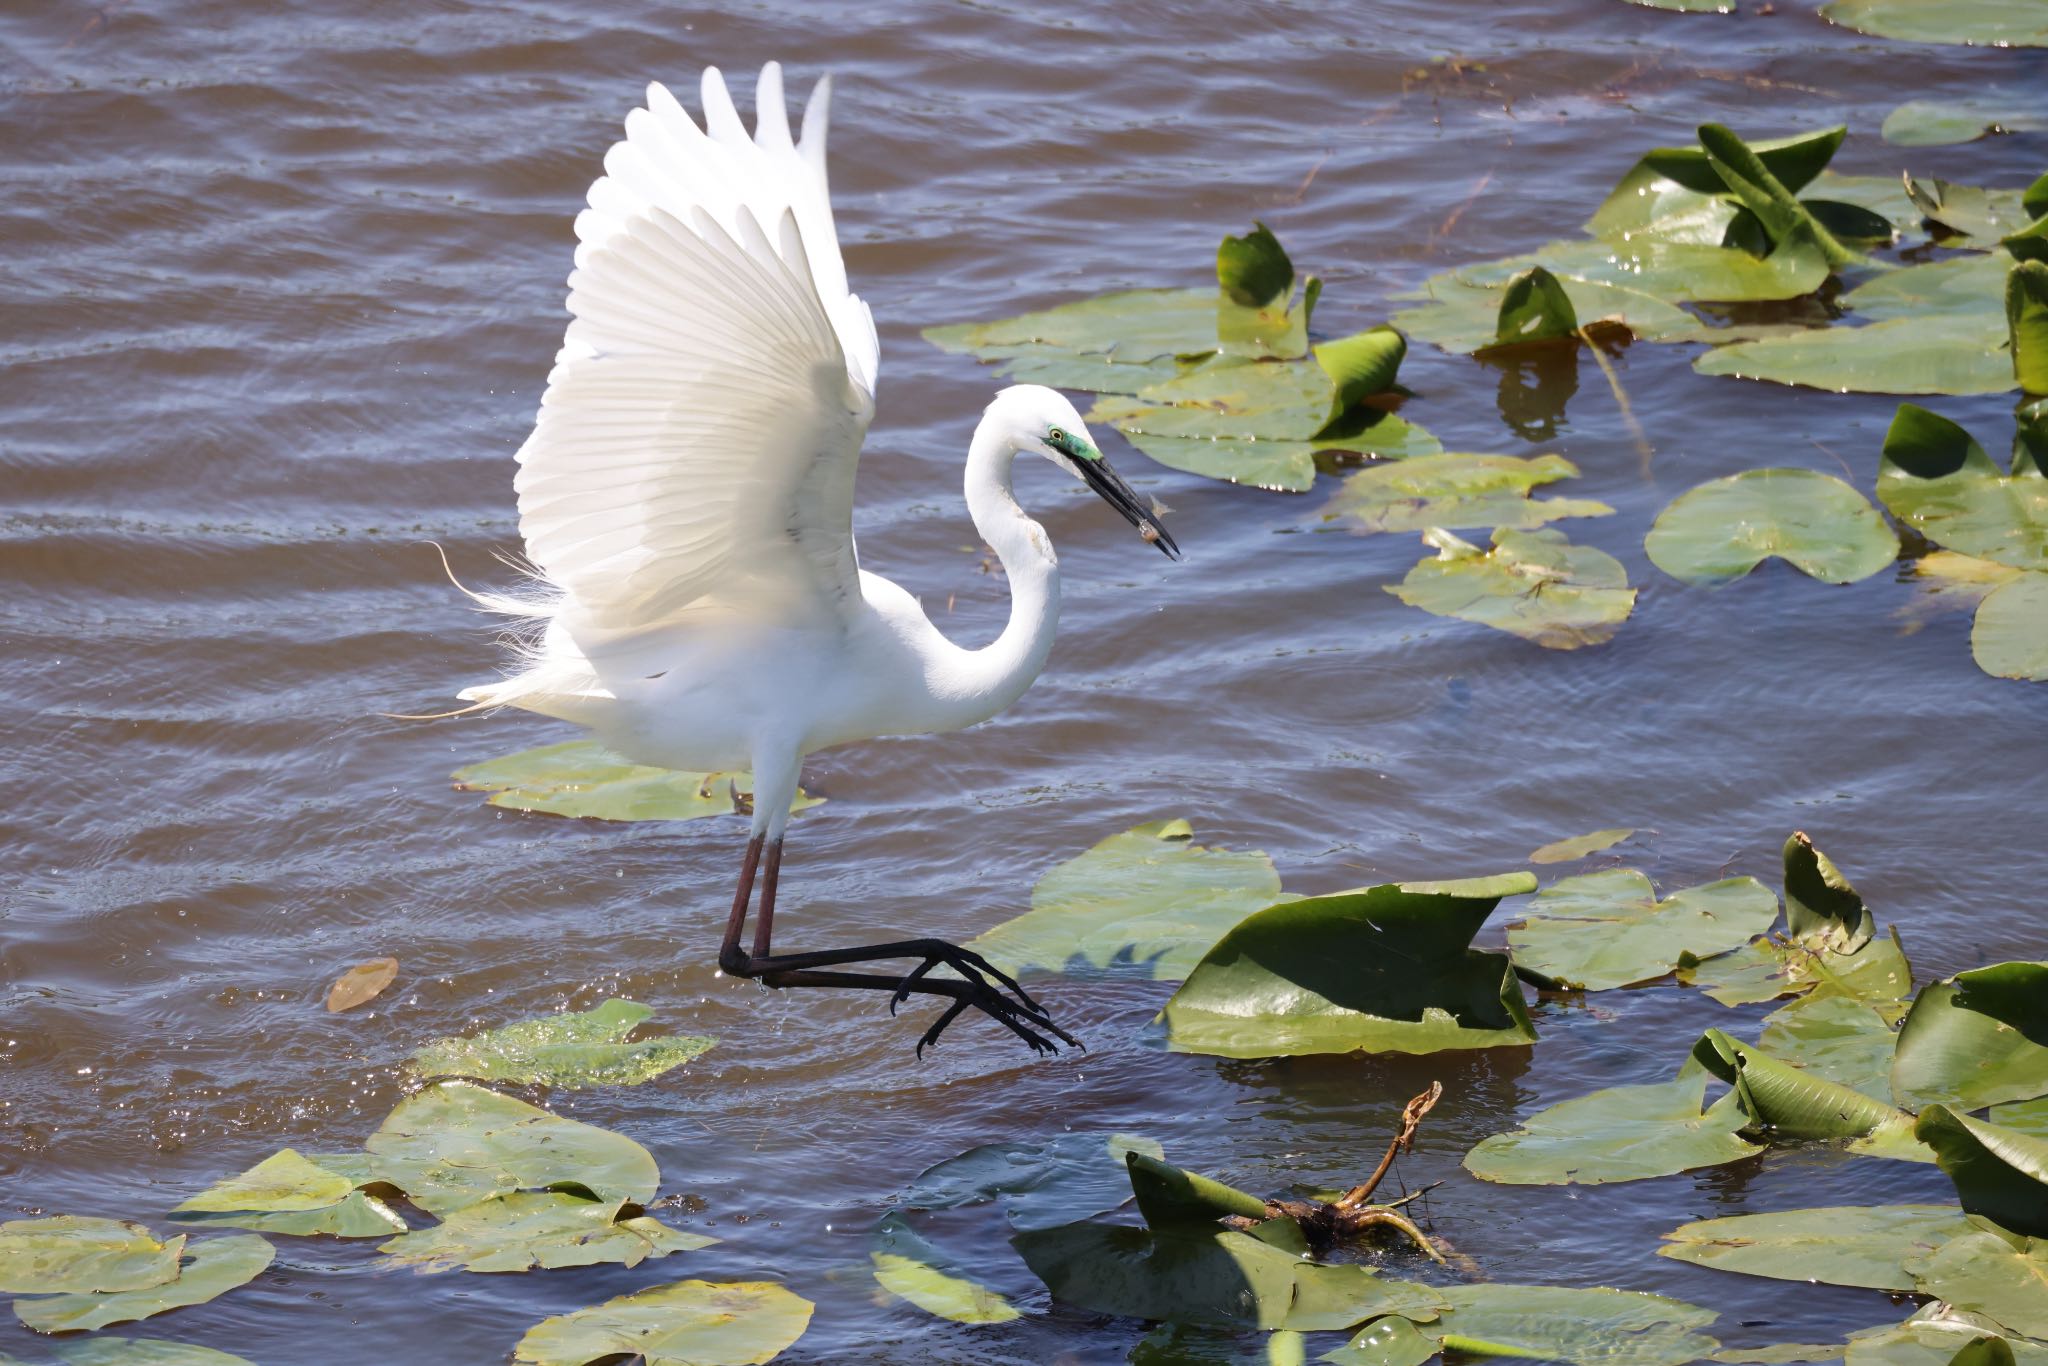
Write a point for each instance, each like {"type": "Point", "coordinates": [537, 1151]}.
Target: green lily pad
{"type": "Point", "coordinates": [70, 1253]}
{"type": "Point", "coordinates": [1823, 909]}
{"type": "Point", "coordinates": [1999, 1173]}
{"type": "Point", "coordinates": [280, 1182]}
{"type": "Point", "coordinates": [525, 1229]}
{"type": "Point", "coordinates": [2009, 638]}
{"type": "Point", "coordinates": [569, 1050]}
{"type": "Point", "coordinates": [211, 1267]}
{"type": "Point", "coordinates": [2026, 1116]}
{"type": "Point", "coordinates": [1722, 529]}
{"type": "Point", "coordinates": [1281, 465]}
{"type": "Point", "coordinates": [1674, 193]}
{"type": "Point", "coordinates": [1976, 1041]}
{"type": "Point", "coordinates": [1147, 903]}
{"type": "Point", "coordinates": [1579, 846]}
{"type": "Point", "coordinates": [1954, 1339]}
{"type": "Point", "coordinates": [2026, 320]}
{"type": "Point", "coordinates": [1594, 1327]}
{"type": "Point", "coordinates": [2002, 1277]}
{"type": "Point", "coordinates": [1385, 969]}
{"type": "Point", "coordinates": [1533, 584]}
{"type": "Point", "coordinates": [685, 1323]}
{"type": "Point", "coordinates": [1957, 288]}
{"type": "Point", "coordinates": [356, 1215]}
{"type": "Point", "coordinates": [1763, 971]}
{"type": "Point", "coordinates": [1936, 478]}
{"type": "Point", "coordinates": [142, 1352]}
{"type": "Point", "coordinates": [1040, 1185]}
{"type": "Point", "coordinates": [1938, 355]}
{"type": "Point", "coordinates": [1978, 215]}
{"type": "Point", "coordinates": [582, 778]}
{"type": "Point", "coordinates": [910, 1267]}
{"type": "Point", "coordinates": [1169, 1195]}
{"type": "Point", "coordinates": [1988, 23]}
{"type": "Point", "coordinates": [1622, 1133]}
{"type": "Point", "coordinates": [454, 1144]}
{"type": "Point", "coordinates": [1453, 489]}
{"type": "Point", "coordinates": [1607, 929]}
{"type": "Point", "coordinates": [1840, 1037]}
{"type": "Point", "coordinates": [1465, 318]}
{"type": "Point", "coordinates": [1785, 220]}
{"type": "Point", "coordinates": [1862, 1245]}
{"type": "Point", "coordinates": [1943, 123]}
{"type": "Point", "coordinates": [1783, 1101]}
{"type": "Point", "coordinates": [1674, 272]}
{"type": "Point", "coordinates": [1174, 1344]}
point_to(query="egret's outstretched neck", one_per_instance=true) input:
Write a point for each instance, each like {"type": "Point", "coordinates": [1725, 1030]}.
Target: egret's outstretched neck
{"type": "Point", "coordinates": [997, 674]}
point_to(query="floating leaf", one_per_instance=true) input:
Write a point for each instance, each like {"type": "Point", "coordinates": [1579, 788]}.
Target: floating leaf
{"type": "Point", "coordinates": [1953, 1339]}
{"type": "Point", "coordinates": [356, 1215]}
{"type": "Point", "coordinates": [212, 1266]}
{"type": "Point", "coordinates": [1783, 1101]}
{"type": "Point", "coordinates": [2009, 638]}
{"type": "Point", "coordinates": [2002, 1277]}
{"type": "Point", "coordinates": [570, 1050]}
{"type": "Point", "coordinates": [1823, 909]}
{"type": "Point", "coordinates": [1999, 1173]}
{"type": "Point", "coordinates": [1862, 1245]}
{"type": "Point", "coordinates": [282, 1181]}
{"type": "Point", "coordinates": [1976, 1041]}
{"type": "Point", "coordinates": [1783, 217]}
{"type": "Point", "coordinates": [1146, 903]}
{"type": "Point", "coordinates": [1381, 969]}
{"type": "Point", "coordinates": [1466, 318]}
{"type": "Point", "coordinates": [2026, 320]}
{"type": "Point", "coordinates": [361, 984]}
{"type": "Point", "coordinates": [454, 1144]}
{"type": "Point", "coordinates": [1722, 529]}
{"type": "Point", "coordinates": [1938, 355]}
{"type": "Point", "coordinates": [1936, 478]}
{"type": "Point", "coordinates": [1622, 1133]}
{"type": "Point", "coordinates": [1168, 1195]}
{"type": "Point", "coordinates": [1173, 1344]}
{"type": "Point", "coordinates": [1671, 271]}
{"type": "Point", "coordinates": [141, 1352]}
{"type": "Point", "coordinates": [1533, 584]}
{"type": "Point", "coordinates": [1991, 23]}
{"type": "Point", "coordinates": [1842, 1038]}
{"type": "Point", "coordinates": [1981, 216]}
{"type": "Point", "coordinates": [75, 1254]}
{"type": "Point", "coordinates": [1607, 929]}
{"type": "Point", "coordinates": [526, 1229]}
{"type": "Point", "coordinates": [909, 1266]}
{"type": "Point", "coordinates": [1459, 490]}
{"type": "Point", "coordinates": [582, 778]}
{"type": "Point", "coordinates": [686, 1323]}
{"type": "Point", "coordinates": [1040, 1185]}
{"type": "Point", "coordinates": [1595, 1327]}
{"type": "Point", "coordinates": [1943, 123]}
{"type": "Point", "coordinates": [1674, 193]}
{"type": "Point", "coordinates": [1763, 971]}
{"type": "Point", "coordinates": [1284, 465]}
{"type": "Point", "coordinates": [1579, 846]}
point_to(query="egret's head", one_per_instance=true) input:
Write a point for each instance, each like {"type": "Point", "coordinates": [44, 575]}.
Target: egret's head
{"type": "Point", "coordinates": [1047, 423]}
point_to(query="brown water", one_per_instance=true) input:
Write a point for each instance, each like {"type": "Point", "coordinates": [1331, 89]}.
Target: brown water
{"type": "Point", "coordinates": [282, 283]}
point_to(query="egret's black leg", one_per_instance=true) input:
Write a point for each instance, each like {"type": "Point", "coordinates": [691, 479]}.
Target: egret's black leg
{"type": "Point", "coordinates": [729, 956]}
{"type": "Point", "coordinates": [1024, 1023]}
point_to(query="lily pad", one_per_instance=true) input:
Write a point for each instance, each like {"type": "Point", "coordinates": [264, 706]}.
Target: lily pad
{"type": "Point", "coordinates": [686, 1323]}
{"type": "Point", "coordinates": [525, 1229]}
{"type": "Point", "coordinates": [569, 1050]}
{"type": "Point", "coordinates": [2002, 1277]}
{"type": "Point", "coordinates": [2026, 1116]}
{"type": "Point", "coordinates": [1946, 354]}
{"type": "Point", "coordinates": [1040, 1185]}
{"type": "Point", "coordinates": [1785, 220]}
{"type": "Point", "coordinates": [142, 1352]}
{"type": "Point", "coordinates": [1672, 271]}
{"type": "Point", "coordinates": [1980, 216]}
{"type": "Point", "coordinates": [1579, 846]}
{"type": "Point", "coordinates": [1622, 1133]}
{"type": "Point", "coordinates": [1722, 529]}
{"type": "Point", "coordinates": [356, 1215]}
{"type": "Point", "coordinates": [1594, 1327]}
{"type": "Point", "coordinates": [1823, 909]}
{"type": "Point", "coordinates": [454, 1144]}
{"type": "Point", "coordinates": [1863, 1245]}
{"type": "Point", "coordinates": [1954, 1339]}
{"type": "Point", "coordinates": [1936, 478]}
{"type": "Point", "coordinates": [1469, 318]}
{"type": "Point", "coordinates": [1999, 1173]}
{"type": "Point", "coordinates": [2009, 638]}
{"type": "Point", "coordinates": [1843, 1038]}
{"type": "Point", "coordinates": [910, 1267]}
{"type": "Point", "coordinates": [582, 778]}
{"type": "Point", "coordinates": [70, 1253]}
{"type": "Point", "coordinates": [1943, 123]}
{"type": "Point", "coordinates": [1386, 969]}
{"type": "Point", "coordinates": [1763, 971]}
{"type": "Point", "coordinates": [1783, 1101]}
{"type": "Point", "coordinates": [1147, 903]}
{"type": "Point", "coordinates": [1453, 489]}
{"type": "Point", "coordinates": [282, 1181]}
{"type": "Point", "coordinates": [2026, 320]}
{"type": "Point", "coordinates": [1988, 23]}
{"type": "Point", "coordinates": [1533, 584]}
{"type": "Point", "coordinates": [1978, 1040]}
{"type": "Point", "coordinates": [1607, 929]}
{"type": "Point", "coordinates": [211, 1267]}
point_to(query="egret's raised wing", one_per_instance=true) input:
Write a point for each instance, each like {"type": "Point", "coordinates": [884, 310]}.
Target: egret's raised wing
{"type": "Point", "coordinates": [697, 441]}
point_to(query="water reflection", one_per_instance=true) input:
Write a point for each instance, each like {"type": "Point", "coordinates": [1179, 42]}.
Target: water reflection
{"type": "Point", "coordinates": [1534, 383]}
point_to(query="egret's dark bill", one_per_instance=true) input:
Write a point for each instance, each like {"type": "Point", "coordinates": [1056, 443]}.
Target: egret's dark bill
{"type": "Point", "coordinates": [1120, 496]}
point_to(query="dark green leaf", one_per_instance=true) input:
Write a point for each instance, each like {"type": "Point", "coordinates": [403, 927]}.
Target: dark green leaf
{"type": "Point", "coordinates": [1823, 909]}
{"type": "Point", "coordinates": [1935, 478]}
{"type": "Point", "coordinates": [1763, 194]}
{"type": "Point", "coordinates": [1999, 1173]}
{"type": "Point", "coordinates": [1253, 270]}
{"type": "Point", "coordinates": [1978, 1041]}
{"type": "Point", "coordinates": [2026, 315]}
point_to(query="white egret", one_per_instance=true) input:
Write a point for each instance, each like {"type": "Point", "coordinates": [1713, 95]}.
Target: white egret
{"type": "Point", "coordinates": [686, 500]}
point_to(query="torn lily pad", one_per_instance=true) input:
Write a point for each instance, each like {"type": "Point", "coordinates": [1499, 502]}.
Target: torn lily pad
{"type": "Point", "coordinates": [1723, 529]}
{"type": "Point", "coordinates": [1607, 929]}
{"type": "Point", "coordinates": [1999, 1173]}
{"type": "Point", "coordinates": [1533, 584]}
{"type": "Point", "coordinates": [568, 1050]}
{"type": "Point", "coordinates": [1979, 1039]}
{"type": "Point", "coordinates": [686, 1323]}
{"type": "Point", "coordinates": [1146, 903]}
{"type": "Point", "coordinates": [1454, 489]}
{"type": "Point", "coordinates": [209, 1267]}
{"type": "Point", "coordinates": [582, 778]}
{"type": "Point", "coordinates": [1621, 1133]}
{"type": "Point", "coordinates": [521, 1230]}
{"type": "Point", "coordinates": [69, 1253]}
{"type": "Point", "coordinates": [1386, 969]}
{"type": "Point", "coordinates": [1591, 1327]}
{"type": "Point", "coordinates": [912, 1268]}
{"type": "Point", "coordinates": [1861, 1245]}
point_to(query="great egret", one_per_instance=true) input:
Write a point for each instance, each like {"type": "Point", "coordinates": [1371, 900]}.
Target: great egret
{"type": "Point", "coordinates": [686, 499]}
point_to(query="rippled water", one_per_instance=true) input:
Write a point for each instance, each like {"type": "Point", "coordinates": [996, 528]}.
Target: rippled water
{"type": "Point", "coordinates": [282, 286]}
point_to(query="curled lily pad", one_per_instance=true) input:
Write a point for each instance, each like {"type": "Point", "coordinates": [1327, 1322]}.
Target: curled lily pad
{"type": "Point", "coordinates": [1533, 584]}
{"type": "Point", "coordinates": [1381, 969]}
{"type": "Point", "coordinates": [1169, 1195]}
{"type": "Point", "coordinates": [2026, 320]}
{"type": "Point", "coordinates": [521, 1230]}
{"type": "Point", "coordinates": [1783, 1101]}
{"type": "Point", "coordinates": [210, 1267]}
{"type": "Point", "coordinates": [2001, 1276]}
{"type": "Point", "coordinates": [1864, 1245]}
{"type": "Point", "coordinates": [356, 1215]}
{"type": "Point", "coordinates": [685, 1323]}
{"type": "Point", "coordinates": [1579, 846]}
{"type": "Point", "coordinates": [1990, 23]}
{"type": "Point", "coordinates": [1943, 123]}
{"type": "Point", "coordinates": [454, 1144]}
{"type": "Point", "coordinates": [1981, 216]}
{"type": "Point", "coordinates": [1940, 1335]}
{"type": "Point", "coordinates": [1999, 1173]}
{"type": "Point", "coordinates": [1722, 529]}
{"type": "Point", "coordinates": [1608, 929]}
{"type": "Point", "coordinates": [1674, 193]}
{"type": "Point", "coordinates": [1978, 1040]}
{"type": "Point", "coordinates": [76, 1254]}
{"type": "Point", "coordinates": [1454, 489]}
{"type": "Point", "coordinates": [910, 1267]}
{"type": "Point", "coordinates": [1823, 909]}
{"type": "Point", "coordinates": [1594, 1327]}
{"type": "Point", "coordinates": [1622, 1133]}
{"type": "Point", "coordinates": [1936, 478]}
{"type": "Point", "coordinates": [1145, 903]}
{"type": "Point", "coordinates": [1784, 219]}
{"type": "Point", "coordinates": [570, 1050]}
{"type": "Point", "coordinates": [582, 778]}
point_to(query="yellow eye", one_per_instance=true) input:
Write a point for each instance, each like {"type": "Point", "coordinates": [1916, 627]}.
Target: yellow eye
{"type": "Point", "coordinates": [1055, 436]}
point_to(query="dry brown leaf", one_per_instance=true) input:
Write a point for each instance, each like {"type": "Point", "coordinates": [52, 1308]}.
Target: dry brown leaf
{"type": "Point", "coordinates": [361, 983]}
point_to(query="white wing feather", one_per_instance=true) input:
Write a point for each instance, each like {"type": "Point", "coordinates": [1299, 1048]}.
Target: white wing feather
{"type": "Point", "coordinates": [697, 442]}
